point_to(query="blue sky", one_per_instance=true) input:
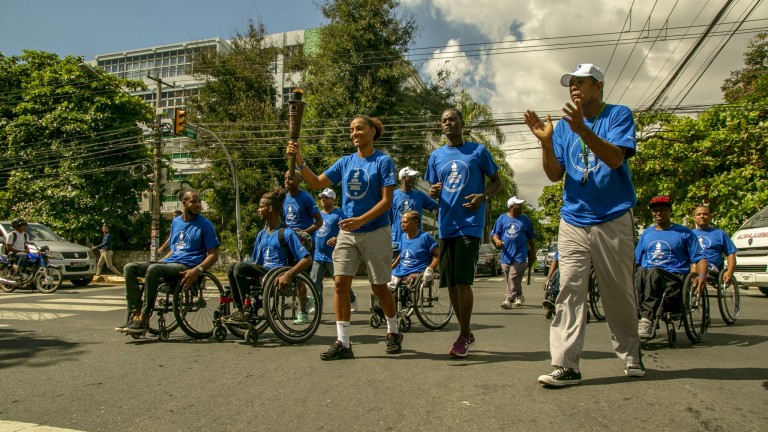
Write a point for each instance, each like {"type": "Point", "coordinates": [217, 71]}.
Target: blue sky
{"type": "Point", "coordinates": [509, 78]}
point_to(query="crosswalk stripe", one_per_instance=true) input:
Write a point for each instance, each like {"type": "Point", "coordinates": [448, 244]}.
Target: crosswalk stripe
{"type": "Point", "coordinates": [67, 307]}
{"type": "Point", "coordinates": [12, 426]}
{"type": "Point", "coordinates": [107, 297]}
{"type": "Point", "coordinates": [86, 301]}
{"type": "Point", "coordinates": [32, 316]}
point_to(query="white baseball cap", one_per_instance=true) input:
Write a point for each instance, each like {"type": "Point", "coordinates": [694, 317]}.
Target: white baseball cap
{"type": "Point", "coordinates": [408, 172]}
{"type": "Point", "coordinates": [514, 200]}
{"type": "Point", "coordinates": [582, 70]}
{"type": "Point", "coordinates": [328, 192]}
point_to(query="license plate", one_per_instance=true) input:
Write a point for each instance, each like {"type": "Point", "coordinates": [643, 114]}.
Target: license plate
{"type": "Point", "coordinates": [78, 264]}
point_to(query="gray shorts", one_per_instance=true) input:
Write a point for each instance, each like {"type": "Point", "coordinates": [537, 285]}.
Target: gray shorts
{"type": "Point", "coordinates": [374, 248]}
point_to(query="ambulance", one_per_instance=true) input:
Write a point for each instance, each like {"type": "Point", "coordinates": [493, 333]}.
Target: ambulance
{"type": "Point", "coordinates": [752, 257]}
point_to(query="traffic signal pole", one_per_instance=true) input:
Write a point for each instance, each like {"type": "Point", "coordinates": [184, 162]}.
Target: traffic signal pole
{"type": "Point", "coordinates": [157, 178]}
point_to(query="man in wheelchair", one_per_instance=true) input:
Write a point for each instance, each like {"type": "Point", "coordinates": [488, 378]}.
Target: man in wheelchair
{"type": "Point", "coordinates": [194, 248]}
{"type": "Point", "coordinates": [418, 251]}
{"type": "Point", "coordinates": [664, 255]}
{"type": "Point", "coordinates": [715, 244]}
{"type": "Point", "coordinates": [276, 246]}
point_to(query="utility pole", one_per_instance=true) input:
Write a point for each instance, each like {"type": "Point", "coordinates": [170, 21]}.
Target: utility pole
{"type": "Point", "coordinates": [157, 153]}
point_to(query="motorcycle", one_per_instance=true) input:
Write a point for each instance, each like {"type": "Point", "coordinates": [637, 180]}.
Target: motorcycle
{"type": "Point", "coordinates": [37, 272]}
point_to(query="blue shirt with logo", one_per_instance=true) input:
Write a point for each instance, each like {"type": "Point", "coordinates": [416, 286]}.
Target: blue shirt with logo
{"type": "Point", "coordinates": [515, 233]}
{"type": "Point", "coordinates": [298, 210]}
{"type": "Point", "coordinates": [608, 192]}
{"type": "Point", "coordinates": [361, 182]}
{"type": "Point", "coordinates": [462, 170]}
{"type": "Point", "coordinates": [191, 240]}
{"type": "Point", "coordinates": [402, 202]}
{"type": "Point", "coordinates": [415, 254]}
{"type": "Point", "coordinates": [329, 230]}
{"type": "Point", "coordinates": [673, 249]}
{"type": "Point", "coordinates": [268, 252]}
{"type": "Point", "coordinates": [715, 243]}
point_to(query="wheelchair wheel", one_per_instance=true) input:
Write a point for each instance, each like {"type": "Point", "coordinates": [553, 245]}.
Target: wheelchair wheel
{"type": "Point", "coordinates": [728, 299]}
{"type": "Point", "coordinates": [375, 321]}
{"type": "Point", "coordinates": [164, 306]}
{"type": "Point", "coordinates": [595, 305]}
{"type": "Point", "coordinates": [695, 310]}
{"type": "Point", "coordinates": [194, 307]}
{"type": "Point", "coordinates": [286, 309]}
{"type": "Point", "coordinates": [672, 337]}
{"type": "Point", "coordinates": [432, 304]}
{"type": "Point", "coordinates": [404, 324]}
{"type": "Point", "coordinates": [259, 323]}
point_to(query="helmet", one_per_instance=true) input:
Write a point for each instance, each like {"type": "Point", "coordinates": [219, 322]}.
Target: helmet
{"type": "Point", "coordinates": [16, 223]}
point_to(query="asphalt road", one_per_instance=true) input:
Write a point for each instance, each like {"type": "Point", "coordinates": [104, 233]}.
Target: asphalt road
{"type": "Point", "coordinates": [63, 366]}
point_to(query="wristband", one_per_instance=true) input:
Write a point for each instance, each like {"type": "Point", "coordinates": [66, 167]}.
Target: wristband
{"type": "Point", "coordinates": [301, 166]}
{"type": "Point", "coordinates": [201, 269]}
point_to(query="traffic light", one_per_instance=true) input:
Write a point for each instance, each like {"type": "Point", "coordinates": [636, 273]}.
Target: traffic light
{"type": "Point", "coordinates": [179, 121]}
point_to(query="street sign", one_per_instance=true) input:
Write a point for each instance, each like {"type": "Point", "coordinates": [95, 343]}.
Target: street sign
{"type": "Point", "coordinates": [190, 132]}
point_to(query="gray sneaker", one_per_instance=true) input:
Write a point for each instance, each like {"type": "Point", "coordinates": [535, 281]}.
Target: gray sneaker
{"type": "Point", "coordinates": [561, 377]}
{"type": "Point", "coordinates": [645, 328]}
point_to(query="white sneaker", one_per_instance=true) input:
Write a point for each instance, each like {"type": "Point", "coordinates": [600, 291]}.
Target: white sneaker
{"type": "Point", "coordinates": [507, 304]}
{"type": "Point", "coordinates": [520, 300]}
{"type": "Point", "coordinates": [353, 306]}
{"type": "Point", "coordinates": [644, 328]}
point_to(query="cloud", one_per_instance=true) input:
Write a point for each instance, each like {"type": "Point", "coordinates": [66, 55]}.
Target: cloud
{"type": "Point", "coordinates": [534, 43]}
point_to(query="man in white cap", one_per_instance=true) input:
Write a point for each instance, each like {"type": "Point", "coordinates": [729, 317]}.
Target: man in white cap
{"type": "Point", "coordinates": [406, 198]}
{"type": "Point", "coordinates": [590, 147]}
{"type": "Point", "coordinates": [325, 243]}
{"type": "Point", "coordinates": [513, 234]}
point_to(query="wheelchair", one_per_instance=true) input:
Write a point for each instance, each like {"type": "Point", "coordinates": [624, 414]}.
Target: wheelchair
{"type": "Point", "coordinates": [593, 296]}
{"type": "Point", "coordinates": [728, 298]}
{"type": "Point", "coordinates": [425, 298]}
{"type": "Point", "coordinates": [688, 307]}
{"type": "Point", "coordinates": [190, 307]}
{"type": "Point", "coordinates": [269, 306]}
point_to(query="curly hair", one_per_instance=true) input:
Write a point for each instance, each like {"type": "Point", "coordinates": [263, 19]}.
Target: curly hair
{"type": "Point", "coordinates": [276, 197]}
{"type": "Point", "coordinates": [374, 123]}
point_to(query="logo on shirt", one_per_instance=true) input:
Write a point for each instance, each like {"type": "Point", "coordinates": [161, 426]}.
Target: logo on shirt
{"type": "Point", "coordinates": [358, 182]}
{"type": "Point", "coordinates": [457, 175]}
{"type": "Point", "coordinates": [180, 243]}
{"type": "Point", "coordinates": [705, 243]}
{"type": "Point", "coordinates": [659, 252]}
{"type": "Point", "coordinates": [291, 214]}
{"type": "Point", "coordinates": [407, 206]}
{"type": "Point", "coordinates": [271, 258]}
{"type": "Point", "coordinates": [325, 229]}
{"type": "Point", "coordinates": [512, 231]}
{"type": "Point", "coordinates": [408, 258]}
{"type": "Point", "coordinates": [577, 158]}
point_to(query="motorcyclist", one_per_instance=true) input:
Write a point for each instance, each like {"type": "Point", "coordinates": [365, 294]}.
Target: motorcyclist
{"type": "Point", "coordinates": [15, 244]}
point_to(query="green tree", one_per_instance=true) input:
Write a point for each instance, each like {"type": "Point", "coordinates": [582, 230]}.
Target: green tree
{"type": "Point", "coordinates": [72, 151]}
{"type": "Point", "coordinates": [550, 202]}
{"type": "Point", "coordinates": [238, 104]}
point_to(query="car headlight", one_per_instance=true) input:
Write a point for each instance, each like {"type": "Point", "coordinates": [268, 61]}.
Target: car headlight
{"type": "Point", "coordinates": [55, 255]}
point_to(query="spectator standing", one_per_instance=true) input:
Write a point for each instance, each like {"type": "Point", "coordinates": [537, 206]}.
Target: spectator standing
{"type": "Point", "coordinates": [456, 173]}
{"type": "Point", "coordinates": [106, 253]}
{"type": "Point", "coordinates": [590, 147]}
{"type": "Point", "coordinates": [513, 234]}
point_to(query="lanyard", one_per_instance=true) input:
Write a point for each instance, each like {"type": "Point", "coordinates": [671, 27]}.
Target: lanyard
{"type": "Point", "coordinates": [585, 149]}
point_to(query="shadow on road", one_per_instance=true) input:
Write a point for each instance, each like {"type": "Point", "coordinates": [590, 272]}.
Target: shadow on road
{"type": "Point", "coordinates": [719, 374]}
{"type": "Point", "coordinates": [24, 348]}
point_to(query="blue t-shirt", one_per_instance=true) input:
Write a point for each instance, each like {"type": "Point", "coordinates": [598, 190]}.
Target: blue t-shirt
{"type": "Point", "coordinates": [361, 182]}
{"type": "Point", "coordinates": [415, 255]}
{"type": "Point", "coordinates": [402, 202]}
{"type": "Point", "coordinates": [715, 243]}
{"type": "Point", "coordinates": [515, 233]}
{"type": "Point", "coordinates": [329, 230]}
{"type": "Point", "coordinates": [608, 192]}
{"type": "Point", "coordinates": [673, 249]}
{"type": "Point", "coordinates": [298, 210]}
{"type": "Point", "coordinates": [191, 240]}
{"type": "Point", "coordinates": [462, 170]}
{"type": "Point", "coordinates": [267, 251]}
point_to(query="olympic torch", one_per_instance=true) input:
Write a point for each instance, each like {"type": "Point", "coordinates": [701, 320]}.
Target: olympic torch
{"type": "Point", "coordinates": [295, 112]}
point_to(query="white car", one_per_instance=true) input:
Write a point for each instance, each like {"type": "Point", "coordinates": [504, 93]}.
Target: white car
{"type": "Point", "coordinates": [752, 257]}
{"type": "Point", "coordinates": [77, 262]}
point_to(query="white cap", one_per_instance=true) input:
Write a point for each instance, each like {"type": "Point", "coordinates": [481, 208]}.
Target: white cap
{"type": "Point", "coordinates": [408, 172]}
{"type": "Point", "coordinates": [582, 70]}
{"type": "Point", "coordinates": [514, 200]}
{"type": "Point", "coordinates": [328, 192]}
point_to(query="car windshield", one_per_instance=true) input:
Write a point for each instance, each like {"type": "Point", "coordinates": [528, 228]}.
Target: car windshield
{"type": "Point", "coordinates": [37, 232]}
{"type": "Point", "coordinates": [552, 248]}
{"type": "Point", "coordinates": [759, 220]}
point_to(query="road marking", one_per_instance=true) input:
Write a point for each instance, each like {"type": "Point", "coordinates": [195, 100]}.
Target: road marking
{"type": "Point", "coordinates": [120, 302]}
{"type": "Point", "coordinates": [32, 316]}
{"type": "Point", "coordinates": [67, 307]}
{"type": "Point", "coordinates": [108, 297]}
{"type": "Point", "coordinates": [12, 426]}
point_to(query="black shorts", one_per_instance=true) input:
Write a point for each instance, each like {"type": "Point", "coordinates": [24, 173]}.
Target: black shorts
{"type": "Point", "coordinates": [457, 260]}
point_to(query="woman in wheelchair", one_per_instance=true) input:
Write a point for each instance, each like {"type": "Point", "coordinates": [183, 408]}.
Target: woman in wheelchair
{"type": "Point", "coordinates": [272, 249]}
{"type": "Point", "coordinates": [418, 251]}
{"type": "Point", "coordinates": [664, 255]}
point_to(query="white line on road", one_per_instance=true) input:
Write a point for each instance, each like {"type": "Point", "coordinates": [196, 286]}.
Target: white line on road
{"type": "Point", "coordinates": [67, 307]}
{"type": "Point", "coordinates": [12, 426]}
{"type": "Point", "coordinates": [31, 316]}
{"type": "Point", "coordinates": [86, 301]}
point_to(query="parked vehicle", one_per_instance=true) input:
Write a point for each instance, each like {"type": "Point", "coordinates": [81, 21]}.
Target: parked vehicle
{"type": "Point", "coordinates": [488, 260]}
{"type": "Point", "coordinates": [752, 257]}
{"type": "Point", "coordinates": [77, 262]}
{"type": "Point", "coordinates": [551, 250]}
{"type": "Point", "coordinates": [37, 272]}
{"type": "Point", "coordinates": [541, 261]}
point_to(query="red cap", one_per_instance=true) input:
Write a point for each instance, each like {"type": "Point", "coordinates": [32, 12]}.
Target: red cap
{"type": "Point", "coordinates": [660, 200]}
